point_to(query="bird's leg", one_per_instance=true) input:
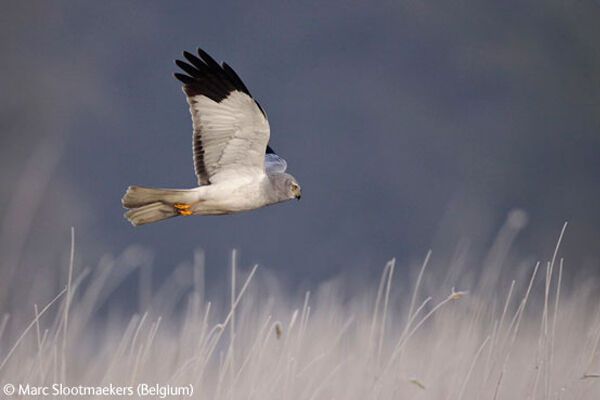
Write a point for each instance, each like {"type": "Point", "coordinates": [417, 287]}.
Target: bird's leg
{"type": "Point", "coordinates": [183, 209]}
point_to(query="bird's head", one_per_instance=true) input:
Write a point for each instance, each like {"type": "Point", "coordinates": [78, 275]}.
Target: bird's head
{"type": "Point", "coordinates": [286, 187]}
{"type": "Point", "coordinates": [295, 189]}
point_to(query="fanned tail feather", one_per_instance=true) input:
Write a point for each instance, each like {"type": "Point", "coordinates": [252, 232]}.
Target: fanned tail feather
{"type": "Point", "coordinates": [149, 213]}
{"type": "Point", "coordinates": [151, 205]}
{"type": "Point", "coordinates": [137, 196]}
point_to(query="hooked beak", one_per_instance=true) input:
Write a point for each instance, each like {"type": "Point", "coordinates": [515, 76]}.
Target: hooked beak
{"type": "Point", "coordinates": [298, 193]}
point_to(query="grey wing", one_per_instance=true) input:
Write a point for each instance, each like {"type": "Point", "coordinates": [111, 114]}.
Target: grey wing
{"type": "Point", "coordinates": [231, 131]}
{"type": "Point", "coordinates": [273, 163]}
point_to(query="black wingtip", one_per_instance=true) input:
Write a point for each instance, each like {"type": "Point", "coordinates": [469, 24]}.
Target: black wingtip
{"type": "Point", "coordinates": [235, 78]}
{"type": "Point", "coordinates": [187, 80]}
{"type": "Point", "coordinates": [187, 68]}
{"type": "Point", "coordinates": [204, 76]}
{"type": "Point", "coordinates": [207, 58]}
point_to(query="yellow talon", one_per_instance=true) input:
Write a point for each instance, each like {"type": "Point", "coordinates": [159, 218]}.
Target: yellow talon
{"type": "Point", "coordinates": [183, 209]}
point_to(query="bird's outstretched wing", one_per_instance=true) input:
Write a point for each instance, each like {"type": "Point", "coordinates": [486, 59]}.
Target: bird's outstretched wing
{"type": "Point", "coordinates": [273, 163]}
{"type": "Point", "coordinates": [231, 131]}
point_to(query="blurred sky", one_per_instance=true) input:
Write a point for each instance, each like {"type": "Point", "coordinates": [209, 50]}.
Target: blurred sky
{"type": "Point", "coordinates": [410, 125]}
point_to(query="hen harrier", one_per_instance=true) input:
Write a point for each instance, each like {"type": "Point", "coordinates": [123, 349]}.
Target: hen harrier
{"type": "Point", "coordinates": [236, 168]}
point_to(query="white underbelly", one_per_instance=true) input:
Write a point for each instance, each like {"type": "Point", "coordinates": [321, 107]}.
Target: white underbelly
{"type": "Point", "coordinates": [230, 197]}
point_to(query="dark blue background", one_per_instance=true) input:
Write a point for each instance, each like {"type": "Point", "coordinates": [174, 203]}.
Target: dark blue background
{"type": "Point", "coordinates": [409, 124]}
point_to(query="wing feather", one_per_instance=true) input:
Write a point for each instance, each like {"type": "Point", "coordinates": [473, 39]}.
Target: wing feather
{"type": "Point", "coordinates": [231, 132]}
{"type": "Point", "coordinates": [273, 163]}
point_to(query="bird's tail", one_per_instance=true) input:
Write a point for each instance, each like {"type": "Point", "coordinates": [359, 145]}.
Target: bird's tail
{"type": "Point", "coordinates": [149, 213]}
{"type": "Point", "coordinates": [148, 205]}
{"type": "Point", "coordinates": [137, 196]}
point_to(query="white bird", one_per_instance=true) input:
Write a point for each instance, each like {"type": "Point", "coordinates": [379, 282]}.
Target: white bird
{"type": "Point", "coordinates": [236, 168]}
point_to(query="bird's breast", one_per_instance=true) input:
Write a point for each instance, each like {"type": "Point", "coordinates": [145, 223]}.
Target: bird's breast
{"type": "Point", "coordinates": [231, 197]}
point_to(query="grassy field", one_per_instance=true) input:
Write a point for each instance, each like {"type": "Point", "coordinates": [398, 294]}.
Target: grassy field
{"type": "Point", "coordinates": [418, 333]}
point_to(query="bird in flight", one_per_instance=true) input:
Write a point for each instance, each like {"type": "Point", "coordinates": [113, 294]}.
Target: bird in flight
{"type": "Point", "coordinates": [236, 168]}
